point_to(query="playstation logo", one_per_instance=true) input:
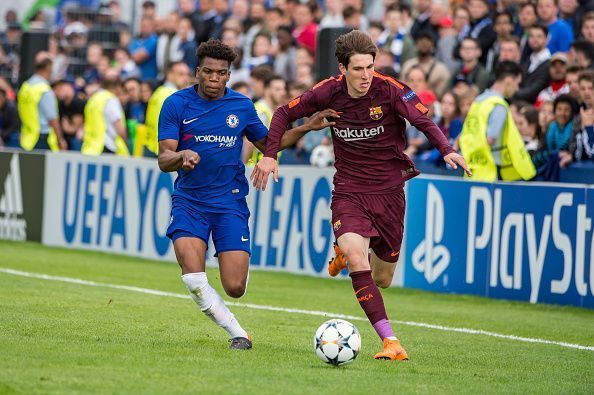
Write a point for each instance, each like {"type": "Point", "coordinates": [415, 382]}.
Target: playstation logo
{"type": "Point", "coordinates": [430, 257]}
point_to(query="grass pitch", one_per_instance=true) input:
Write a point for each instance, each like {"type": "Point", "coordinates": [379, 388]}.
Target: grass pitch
{"type": "Point", "coordinates": [58, 337]}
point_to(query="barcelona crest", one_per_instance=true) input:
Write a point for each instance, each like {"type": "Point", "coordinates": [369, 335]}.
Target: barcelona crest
{"type": "Point", "coordinates": [375, 113]}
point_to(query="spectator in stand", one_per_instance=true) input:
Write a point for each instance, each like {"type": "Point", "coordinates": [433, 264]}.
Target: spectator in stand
{"type": "Point", "coordinates": [306, 29]}
{"type": "Point", "coordinates": [481, 27]}
{"type": "Point", "coordinates": [470, 70]}
{"type": "Point", "coordinates": [72, 110]}
{"type": "Point", "coordinates": [38, 109]}
{"type": "Point", "coordinates": [560, 33]}
{"type": "Point", "coordinates": [571, 76]}
{"type": "Point", "coordinates": [536, 75]}
{"type": "Point", "coordinates": [558, 85]}
{"type": "Point", "coordinates": [167, 49]}
{"type": "Point", "coordinates": [581, 146]}
{"type": "Point", "coordinates": [527, 18]}
{"type": "Point", "coordinates": [258, 77]}
{"type": "Point", "coordinates": [260, 53]}
{"type": "Point", "coordinates": [416, 79]}
{"type": "Point", "coordinates": [183, 44]}
{"type": "Point", "coordinates": [396, 40]}
{"type": "Point", "coordinates": [242, 87]}
{"type": "Point", "coordinates": [530, 129]}
{"type": "Point", "coordinates": [417, 142]}
{"type": "Point", "coordinates": [135, 108]}
{"type": "Point", "coordinates": [116, 16]}
{"type": "Point", "coordinates": [561, 129]}
{"type": "Point", "coordinates": [149, 10]}
{"type": "Point", "coordinates": [422, 22]}
{"type": "Point", "coordinates": [256, 24]}
{"type": "Point", "coordinates": [60, 65]}
{"type": "Point", "coordinates": [125, 65]}
{"type": "Point", "coordinates": [94, 54]}
{"type": "Point", "coordinates": [353, 17]}
{"type": "Point", "coordinates": [448, 40]}
{"type": "Point", "coordinates": [582, 54]}
{"type": "Point", "coordinates": [147, 88]}
{"type": "Point", "coordinates": [9, 122]}
{"type": "Point", "coordinates": [305, 74]}
{"type": "Point", "coordinates": [504, 27]}
{"type": "Point", "coordinates": [510, 50]}
{"type": "Point", "coordinates": [569, 12]}
{"type": "Point", "coordinates": [187, 9]}
{"type": "Point", "coordinates": [437, 74]}
{"type": "Point", "coordinates": [144, 50]}
{"type": "Point", "coordinates": [545, 115]}
{"type": "Point", "coordinates": [333, 16]}
{"type": "Point", "coordinates": [450, 124]}
{"type": "Point", "coordinates": [461, 20]}
{"type": "Point", "coordinates": [588, 27]}
{"type": "Point", "coordinates": [284, 63]}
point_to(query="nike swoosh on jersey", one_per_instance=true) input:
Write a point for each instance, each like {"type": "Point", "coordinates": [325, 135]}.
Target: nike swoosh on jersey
{"type": "Point", "coordinates": [187, 121]}
{"type": "Point", "coordinates": [242, 239]}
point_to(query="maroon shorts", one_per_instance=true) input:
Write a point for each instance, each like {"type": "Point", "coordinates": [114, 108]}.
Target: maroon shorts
{"type": "Point", "coordinates": [380, 217]}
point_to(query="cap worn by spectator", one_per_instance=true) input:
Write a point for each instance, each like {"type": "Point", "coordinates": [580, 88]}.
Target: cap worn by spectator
{"type": "Point", "coordinates": [446, 22]}
{"type": "Point", "coordinates": [427, 97]}
{"type": "Point", "coordinates": [75, 28]}
{"type": "Point", "coordinates": [559, 57]}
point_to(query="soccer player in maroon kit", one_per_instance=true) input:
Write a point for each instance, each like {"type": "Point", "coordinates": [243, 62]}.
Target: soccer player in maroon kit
{"type": "Point", "coordinates": [368, 200]}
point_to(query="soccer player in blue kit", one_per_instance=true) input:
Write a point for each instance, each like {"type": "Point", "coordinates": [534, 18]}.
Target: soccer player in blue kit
{"type": "Point", "coordinates": [201, 130]}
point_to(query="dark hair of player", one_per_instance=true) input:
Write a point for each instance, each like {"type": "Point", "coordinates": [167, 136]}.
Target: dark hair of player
{"type": "Point", "coordinates": [215, 49]}
{"type": "Point", "coordinates": [506, 69]}
{"type": "Point", "coordinates": [352, 43]}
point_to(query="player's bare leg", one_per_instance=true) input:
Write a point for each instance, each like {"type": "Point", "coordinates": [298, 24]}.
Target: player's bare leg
{"type": "Point", "coordinates": [191, 256]}
{"type": "Point", "coordinates": [234, 269]}
{"type": "Point", "coordinates": [383, 273]}
{"type": "Point", "coordinates": [355, 248]}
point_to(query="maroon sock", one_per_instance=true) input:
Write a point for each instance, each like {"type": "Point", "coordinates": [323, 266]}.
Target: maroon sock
{"type": "Point", "coordinates": [372, 303]}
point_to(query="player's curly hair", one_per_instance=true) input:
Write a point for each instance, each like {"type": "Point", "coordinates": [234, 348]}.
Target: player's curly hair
{"type": "Point", "coordinates": [352, 43]}
{"type": "Point", "coordinates": [215, 49]}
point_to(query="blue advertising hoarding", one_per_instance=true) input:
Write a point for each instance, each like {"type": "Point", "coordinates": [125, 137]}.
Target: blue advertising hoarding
{"type": "Point", "coordinates": [529, 242]}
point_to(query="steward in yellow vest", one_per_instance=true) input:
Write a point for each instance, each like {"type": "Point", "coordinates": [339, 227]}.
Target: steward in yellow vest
{"type": "Point", "coordinates": [493, 146]}
{"type": "Point", "coordinates": [104, 123]}
{"type": "Point", "coordinates": [178, 77]}
{"type": "Point", "coordinates": [38, 109]}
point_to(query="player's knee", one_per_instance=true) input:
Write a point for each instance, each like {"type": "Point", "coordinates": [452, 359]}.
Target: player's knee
{"type": "Point", "coordinates": [357, 261]}
{"type": "Point", "coordinates": [383, 281]}
{"type": "Point", "coordinates": [236, 290]}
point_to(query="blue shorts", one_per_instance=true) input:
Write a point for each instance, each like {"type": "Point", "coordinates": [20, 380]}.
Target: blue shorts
{"type": "Point", "coordinates": [229, 224]}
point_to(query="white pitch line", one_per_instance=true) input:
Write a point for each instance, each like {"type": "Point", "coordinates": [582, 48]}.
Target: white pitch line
{"type": "Point", "coordinates": [296, 311]}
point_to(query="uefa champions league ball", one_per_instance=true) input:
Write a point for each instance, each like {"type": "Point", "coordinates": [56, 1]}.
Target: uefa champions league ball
{"type": "Point", "coordinates": [337, 342]}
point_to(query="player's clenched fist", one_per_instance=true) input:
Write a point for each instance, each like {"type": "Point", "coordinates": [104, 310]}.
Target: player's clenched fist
{"type": "Point", "coordinates": [189, 159]}
{"type": "Point", "coordinates": [261, 171]}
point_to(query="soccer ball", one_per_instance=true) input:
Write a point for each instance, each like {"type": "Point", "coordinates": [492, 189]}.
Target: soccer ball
{"type": "Point", "coordinates": [337, 342]}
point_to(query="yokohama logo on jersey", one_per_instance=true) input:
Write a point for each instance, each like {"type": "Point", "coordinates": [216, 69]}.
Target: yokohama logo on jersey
{"type": "Point", "coordinates": [349, 134]}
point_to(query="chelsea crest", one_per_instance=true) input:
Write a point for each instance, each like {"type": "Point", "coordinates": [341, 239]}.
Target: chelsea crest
{"type": "Point", "coordinates": [232, 121]}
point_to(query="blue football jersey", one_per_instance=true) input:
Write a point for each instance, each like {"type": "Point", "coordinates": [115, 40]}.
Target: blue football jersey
{"type": "Point", "coordinates": [214, 129]}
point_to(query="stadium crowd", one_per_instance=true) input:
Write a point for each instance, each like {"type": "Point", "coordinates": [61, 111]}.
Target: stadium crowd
{"type": "Point", "coordinates": [446, 51]}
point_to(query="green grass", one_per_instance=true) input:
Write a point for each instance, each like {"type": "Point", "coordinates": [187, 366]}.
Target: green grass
{"type": "Point", "coordinates": [57, 337]}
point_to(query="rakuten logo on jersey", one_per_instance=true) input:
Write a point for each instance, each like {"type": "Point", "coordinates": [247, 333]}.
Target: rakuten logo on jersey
{"type": "Point", "coordinates": [224, 141]}
{"type": "Point", "coordinates": [349, 134]}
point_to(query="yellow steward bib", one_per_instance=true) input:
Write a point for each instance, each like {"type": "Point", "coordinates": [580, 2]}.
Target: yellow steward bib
{"type": "Point", "coordinates": [28, 106]}
{"type": "Point", "coordinates": [516, 163]}
{"type": "Point", "coordinates": [152, 117]}
{"type": "Point", "coordinates": [96, 126]}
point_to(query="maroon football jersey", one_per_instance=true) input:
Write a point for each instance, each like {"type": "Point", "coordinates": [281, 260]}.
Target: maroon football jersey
{"type": "Point", "coordinates": [369, 137]}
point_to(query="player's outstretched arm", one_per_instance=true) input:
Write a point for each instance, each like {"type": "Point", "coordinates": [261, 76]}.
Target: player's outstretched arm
{"type": "Point", "coordinates": [315, 122]}
{"type": "Point", "coordinates": [171, 160]}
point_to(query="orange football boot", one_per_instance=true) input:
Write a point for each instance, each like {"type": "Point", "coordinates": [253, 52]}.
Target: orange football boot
{"type": "Point", "coordinates": [392, 351]}
{"type": "Point", "coordinates": [337, 263]}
